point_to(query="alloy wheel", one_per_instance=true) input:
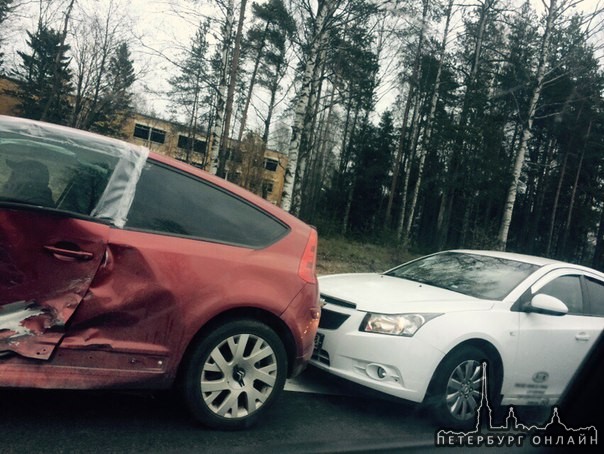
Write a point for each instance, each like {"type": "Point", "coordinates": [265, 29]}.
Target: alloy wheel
{"type": "Point", "coordinates": [238, 376]}
{"type": "Point", "coordinates": [464, 388]}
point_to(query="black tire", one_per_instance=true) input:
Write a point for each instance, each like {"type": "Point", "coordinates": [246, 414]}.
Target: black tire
{"type": "Point", "coordinates": [455, 392]}
{"type": "Point", "coordinates": [234, 374]}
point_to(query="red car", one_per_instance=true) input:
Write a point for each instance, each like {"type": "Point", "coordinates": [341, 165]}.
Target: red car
{"type": "Point", "coordinates": [124, 269]}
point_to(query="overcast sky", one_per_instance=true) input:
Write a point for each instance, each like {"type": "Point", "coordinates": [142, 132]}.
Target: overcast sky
{"type": "Point", "coordinates": [161, 27]}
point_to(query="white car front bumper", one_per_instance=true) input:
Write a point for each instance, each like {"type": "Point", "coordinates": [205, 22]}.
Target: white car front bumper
{"type": "Point", "coordinates": [396, 365]}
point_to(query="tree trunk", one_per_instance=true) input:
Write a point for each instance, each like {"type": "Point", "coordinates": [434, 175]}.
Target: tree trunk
{"type": "Point", "coordinates": [318, 163]}
{"type": "Point", "coordinates": [348, 206]}
{"type": "Point", "coordinates": [574, 193]}
{"type": "Point", "coordinates": [308, 139]}
{"type": "Point", "coordinates": [428, 128]}
{"type": "Point", "coordinates": [271, 108]}
{"type": "Point", "coordinates": [228, 108]}
{"type": "Point", "coordinates": [555, 207]}
{"type": "Point", "coordinates": [413, 83]}
{"type": "Point", "coordinates": [540, 190]}
{"type": "Point", "coordinates": [55, 69]}
{"type": "Point", "coordinates": [598, 258]}
{"type": "Point", "coordinates": [79, 97]}
{"type": "Point", "coordinates": [218, 128]}
{"type": "Point", "coordinates": [400, 147]}
{"type": "Point", "coordinates": [345, 134]}
{"type": "Point", "coordinates": [192, 130]}
{"type": "Point", "coordinates": [526, 132]}
{"type": "Point", "coordinates": [326, 9]}
{"type": "Point", "coordinates": [572, 204]}
{"type": "Point", "coordinates": [409, 168]}
{"type": "Point", "coordinates": [250, 90]}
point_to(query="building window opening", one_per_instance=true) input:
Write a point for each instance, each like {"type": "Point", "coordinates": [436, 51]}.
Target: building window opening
{"type": "Point", "coordinates": [148, 133]}
{"type": "Point", "coordinates": [188, 143]}
{"type": "Point", "coordinates": [271, 164]}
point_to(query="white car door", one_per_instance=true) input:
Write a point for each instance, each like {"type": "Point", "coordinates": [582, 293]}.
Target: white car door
{"type": "Point", "coordinates": [551, 347]}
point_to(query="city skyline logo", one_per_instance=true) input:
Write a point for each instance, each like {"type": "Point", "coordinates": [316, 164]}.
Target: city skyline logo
{"type": "Point", "coordinates": [513, 432]}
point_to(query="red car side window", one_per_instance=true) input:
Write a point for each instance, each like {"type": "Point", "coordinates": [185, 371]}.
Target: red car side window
{"type": "Point", "coordinates": [170, 202]}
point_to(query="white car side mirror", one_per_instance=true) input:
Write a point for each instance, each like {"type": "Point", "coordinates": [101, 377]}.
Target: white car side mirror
{"type": "Point", "coordinates": [547, 304]}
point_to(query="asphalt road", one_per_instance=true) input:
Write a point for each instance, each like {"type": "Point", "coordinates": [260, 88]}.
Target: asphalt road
{"type": "Point", "coordinates": [316, 413]}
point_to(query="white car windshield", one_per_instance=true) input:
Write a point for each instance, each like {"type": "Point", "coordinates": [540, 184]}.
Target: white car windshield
{"type": "Point", "coordinates": [475, 275]}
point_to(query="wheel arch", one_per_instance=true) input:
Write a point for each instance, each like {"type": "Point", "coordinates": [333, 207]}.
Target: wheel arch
{"type": "Point", "coordinates": [242, 313]}
{"type": "Point", "coordinates": [494, 360]}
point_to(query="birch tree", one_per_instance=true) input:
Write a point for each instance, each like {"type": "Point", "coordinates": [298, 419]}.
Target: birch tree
{"type": "Point", "coordinates": [225, 54]}
{"type": "Point", "coordinates": [331, 17]}
{"type": "Point", "coordinates": [228, 108]}
{"type": "Point", "coordinates": [5, 9]}
{"type": "Point", "coordinates": [552, 12]}
{"type": "Point", "coordinates": [318, 38]}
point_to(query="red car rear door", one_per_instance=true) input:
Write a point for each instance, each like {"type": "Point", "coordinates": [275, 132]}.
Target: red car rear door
{"type": "Point", "coordinates": [47, 262]}
{"type": "Point", "coordinates": [61, 190]}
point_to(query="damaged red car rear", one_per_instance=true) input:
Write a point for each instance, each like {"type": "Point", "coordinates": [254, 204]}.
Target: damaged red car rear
{"type": "Point", "coordinates": [124, 269]}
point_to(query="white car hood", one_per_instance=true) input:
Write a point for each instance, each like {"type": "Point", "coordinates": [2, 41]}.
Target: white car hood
{"type": "Point", "coordinates": [392, 295]}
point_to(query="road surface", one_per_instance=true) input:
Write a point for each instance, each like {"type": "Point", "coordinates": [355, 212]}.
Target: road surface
{"type": "Point", "coordinates": [316, 413]}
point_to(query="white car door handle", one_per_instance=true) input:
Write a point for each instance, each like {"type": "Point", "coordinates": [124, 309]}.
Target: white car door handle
{"type": "Point", "coordinates": [582, 337]}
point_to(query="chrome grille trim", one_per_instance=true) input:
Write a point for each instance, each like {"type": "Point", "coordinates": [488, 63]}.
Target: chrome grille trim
{"type": "Point", "coordinates": [336, 301]}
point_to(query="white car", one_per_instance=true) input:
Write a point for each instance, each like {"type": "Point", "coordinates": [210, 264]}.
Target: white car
{"type": "Point", "coordinates": [421, 331]}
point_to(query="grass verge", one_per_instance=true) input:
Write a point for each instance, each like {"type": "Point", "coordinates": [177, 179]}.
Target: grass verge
{"type": "Point", "coordinates": [342, 255]}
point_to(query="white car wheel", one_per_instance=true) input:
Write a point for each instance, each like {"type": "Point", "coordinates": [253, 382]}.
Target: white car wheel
{"type": "Point", "coordinates": [456, 388]}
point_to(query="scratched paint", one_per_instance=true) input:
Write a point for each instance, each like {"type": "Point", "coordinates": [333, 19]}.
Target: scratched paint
{"type": "Point", "coordinates": [13, 318]}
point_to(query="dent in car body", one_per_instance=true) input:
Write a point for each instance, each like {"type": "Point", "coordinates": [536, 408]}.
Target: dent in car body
{"type": "Point", "coordinates": [55, 283]}
{"type": "Point", "coordinates": [123, 315]}
{"type": "Point", "coordinates": [126, 309]}
{"type": "Point", "coordinates": [120, 337]}
{"type": "Point", "coordinates": [149, 299]}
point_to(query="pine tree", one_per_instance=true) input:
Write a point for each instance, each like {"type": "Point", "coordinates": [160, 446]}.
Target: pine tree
{"type": "Point", "coordinates": [265, 42]}
{"type": "Point", "coordinates": [116, 98]}
{"type": "Point", "coordinates": [468, 160]}
{"type": "Point", "coordinates": [373, 165]}
{"type": "Point", "coordinates": [42, 85]}
{"type": "Point", "coordinates": [188, 87]}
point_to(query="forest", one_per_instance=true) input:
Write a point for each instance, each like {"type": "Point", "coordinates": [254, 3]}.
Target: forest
{"type": "Point", "coordinates": [423, 124]}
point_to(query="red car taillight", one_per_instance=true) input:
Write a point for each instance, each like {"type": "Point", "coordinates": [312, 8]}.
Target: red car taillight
{"type": "Point", "coordinates": [308, 263]}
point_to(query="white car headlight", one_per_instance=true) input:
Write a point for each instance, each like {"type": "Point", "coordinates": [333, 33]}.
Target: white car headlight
{"type": "Point", "coordinates": [395, 324]}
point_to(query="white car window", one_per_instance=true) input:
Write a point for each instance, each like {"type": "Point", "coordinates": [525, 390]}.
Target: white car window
{"type": "Point", "coordinates": [595, 289]}
{"type": "Point", "coordinates": [568, 290]}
